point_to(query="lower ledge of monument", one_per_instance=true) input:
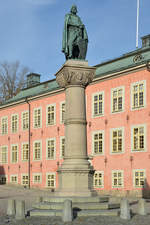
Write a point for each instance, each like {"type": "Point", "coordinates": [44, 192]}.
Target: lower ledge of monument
{"type": "Point", "coordinates": [76, 193]}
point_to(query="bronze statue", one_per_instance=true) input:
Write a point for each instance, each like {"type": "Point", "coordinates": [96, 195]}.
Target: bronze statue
{"type": "Point", "coordinates": [75, 37]}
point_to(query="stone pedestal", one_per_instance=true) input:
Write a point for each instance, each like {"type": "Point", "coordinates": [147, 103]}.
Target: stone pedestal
{"type": "Point", "coordinates": [75, 173]}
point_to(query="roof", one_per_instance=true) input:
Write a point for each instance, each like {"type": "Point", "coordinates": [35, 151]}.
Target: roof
{"type": "Point", "coordinates": [129, 60]}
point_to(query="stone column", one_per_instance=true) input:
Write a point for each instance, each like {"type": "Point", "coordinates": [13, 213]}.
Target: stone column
{"type": "Point", "coordinates": [75, 173]}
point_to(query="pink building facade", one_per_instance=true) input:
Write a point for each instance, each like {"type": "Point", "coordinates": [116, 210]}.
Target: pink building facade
{"type": "Point", "coordinates": [32, 138]}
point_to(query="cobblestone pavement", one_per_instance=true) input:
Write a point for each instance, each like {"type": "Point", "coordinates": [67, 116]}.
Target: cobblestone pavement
{"type": "Point", "coordinates": [11, 192]}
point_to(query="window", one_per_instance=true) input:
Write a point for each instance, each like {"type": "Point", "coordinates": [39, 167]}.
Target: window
{"type": "Point", "coordinates": [117, 140]}
{"type": "Point", "coordinates": [37, 150]}
{"type": "Point", "coordinates": [62, 112]}
{"type": "Point", "coordinates": [14, 179]}
{"type": "Point", "coordinates": [50, 180]}
{"type": "Point", "coordinates": [4, 125]}
{"type": "Point", "coordinates": [37, 118]}
{"type": "Point", "coordinates": [3, 179]}
{"type": "Point", "coordinates": [4, 155]}
{"type": "Point", "coordinates": [117, 179]}
{"type": "Point", "coordinates": [25, 120]}
{"type": "Point", "coordinates": [138, 94]}
{"type": "Point", "coordinates": [37, 178]}
{"type": "Point", "coordinates": [14, 153]}
{"type": "Point", "coordinates": [51, 148]}
{"type": "Point", "coordinates": [14, 123]}
{"type": "Point", "coordinates": [25, 179]}
{"type": "Point", "coordinates": [98, 142]}
{"type": "Point", "coordinates": [51, 115]}
{"type": "Point", "coordinates": [62, 147]}
{"type": "Point", "coordinates": [25, 151]}
{"type": "Point", "coordinates": [98, 179]}
{"type": "Point", "coordinates": [139, 178]}
{"type": "Point", "coordinates": [117, 99]}
{"type": "Point", "coordinates": [98, 104]}
{"type": "Point", "coordinates": [138, 138]}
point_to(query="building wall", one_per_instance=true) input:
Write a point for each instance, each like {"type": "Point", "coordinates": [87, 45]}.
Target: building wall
{"type": "Point", "coordinates": [106, 162]}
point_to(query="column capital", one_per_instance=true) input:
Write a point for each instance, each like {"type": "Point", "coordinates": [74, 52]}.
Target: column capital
{"type": "Point", "coordinates": [75, 72]}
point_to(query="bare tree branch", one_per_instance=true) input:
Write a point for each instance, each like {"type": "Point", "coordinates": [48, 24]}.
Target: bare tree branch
{"type": "Point", "coordinates": [12, 79]}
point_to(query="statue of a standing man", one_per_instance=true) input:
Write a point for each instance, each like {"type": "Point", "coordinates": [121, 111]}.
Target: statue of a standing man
{"type": "Point", "coordinates": [75, 37]}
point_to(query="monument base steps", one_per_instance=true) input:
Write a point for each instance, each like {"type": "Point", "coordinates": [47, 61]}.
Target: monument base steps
{"type": "Point", "coordinates": [89, 206]}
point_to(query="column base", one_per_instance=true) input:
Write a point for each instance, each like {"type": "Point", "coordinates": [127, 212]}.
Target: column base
{"type": "Point", "coordinates": [75, 182]}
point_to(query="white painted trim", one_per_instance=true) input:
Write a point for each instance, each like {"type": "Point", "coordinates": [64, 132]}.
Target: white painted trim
{"type": "Point", "coordinates": [3, 146]}
{"type": "Point", "coordinates": [103, 142]}
{"type": "Point", "coordinates": [51, 173]}
{"type": "Point", "coordinates": [13, 175]}
{"type": "Point", "coordinates": [60, 106]}
{"type": "Point", "coordinates": [7, 124]}
{"type": "Point", "coordinates": [17, 153]}
{"type": "Point", "coordinates": [103, 104]}
{"type": "Point", "coordinates": [102, 172]}
{"type": "Point", "coordinates": [37, 141]}
{"type": "Point", "coordinates": [24, 174]}
{"type": "Point", "coordinates": [40, 117]}
{"type": "Point", "coordinates": [117, 171]}
{"type": "Point", "coordinates": [60, 144]}
{"type": "Point", "coordinates": [145, 138]}
{"type": "Point", "coordinates": [22, 119]}
{"type": "Point", "coordinates": [131, 95]}
{"type": "Point", "coordinates": [51, 139]}
{"type": "Point", "coordinates": [49, 125]}
{"type": "Point", "coordinates": [15, 114]}
{"type": "Point", "coordinates": [37, 174]}
{"type": "Point", "coordinates": [23, 143]}
{"type": "Point", "coordinates": [123, 141]}
{"type": "Point", "coordinates": [138, 170]}
{"type": "Point", "coordinates": [123, 99]}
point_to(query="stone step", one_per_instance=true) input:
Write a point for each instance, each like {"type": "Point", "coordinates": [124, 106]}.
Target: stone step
{"type": "Point", "coordinates": [77, 199]}
{"type": "Point", "coordinates": [80, 205]}
{"type": "Point", "coordinates": [45, 212]}
{"type": "Point", "coordinates": [50, 213]}
{"type": "Point", "coordinates": [111, 212]}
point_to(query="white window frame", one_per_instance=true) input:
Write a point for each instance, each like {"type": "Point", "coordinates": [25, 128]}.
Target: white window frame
{"type": "Point", "coordinates": [53, 104]}
{"type": "Point", "coordinates": [40, 117]}
{"type": "Point", "coordinates": [103, 104]}
{"type": "Point", "coordinates": [24, 143]}
{"type": "Point", "coordinates": [22, 120]}
{"type": "Point", "coordinates": [118, 171]}
{"type": "Point", "coordinates": [61, 138]}
{"type": "Point", "coordinates": [13, 132]}
{"type": "Point", "coordinates": [4, 117]}
{"type": "Point", "coordinates": [131, 94]}
{"type": "Point", "coordinates": [17, 153]}
{"type": "Point", "coordinates": [111, 140]}
{"type": "Point", "coordinates": [51, 139]}
{"type": "Point", "coordinates": [13, 175]}
{"type": "Point", "coordinates": [51, 173]}
{"type": "Point", "coordinates": [61, 103]}
{"type": "Point", "coordinates": [103, 142]}
{"type": "Point", "coordinates": [37, 174]}
{"type": "Point", "coordinates": [102, 172]}
{"type": "Point", "coordinates": [123, 94]}
{"type": "Point", "coordinates": [139, 170]}
{"type": "Point", "coordinates": [132, 138]}
{"type": "Point", "coordinates": [3, 146]}
{"type": "Point", "coordinates": [37, 141]}
{"type": "Point", "coordinates": [24, 174]}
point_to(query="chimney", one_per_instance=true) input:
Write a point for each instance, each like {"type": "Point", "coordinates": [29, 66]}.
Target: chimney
{"type": "Point", "coordinates": [33, 79]}
{"type": "Point", "coordinates": [146, 41]}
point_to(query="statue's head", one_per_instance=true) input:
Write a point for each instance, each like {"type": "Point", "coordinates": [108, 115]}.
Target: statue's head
{"type": "Point", "coordinates": [74, 9]}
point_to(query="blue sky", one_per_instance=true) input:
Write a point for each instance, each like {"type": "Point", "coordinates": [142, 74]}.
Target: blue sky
{"type": "Point", "coordinates": [31, 30]}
